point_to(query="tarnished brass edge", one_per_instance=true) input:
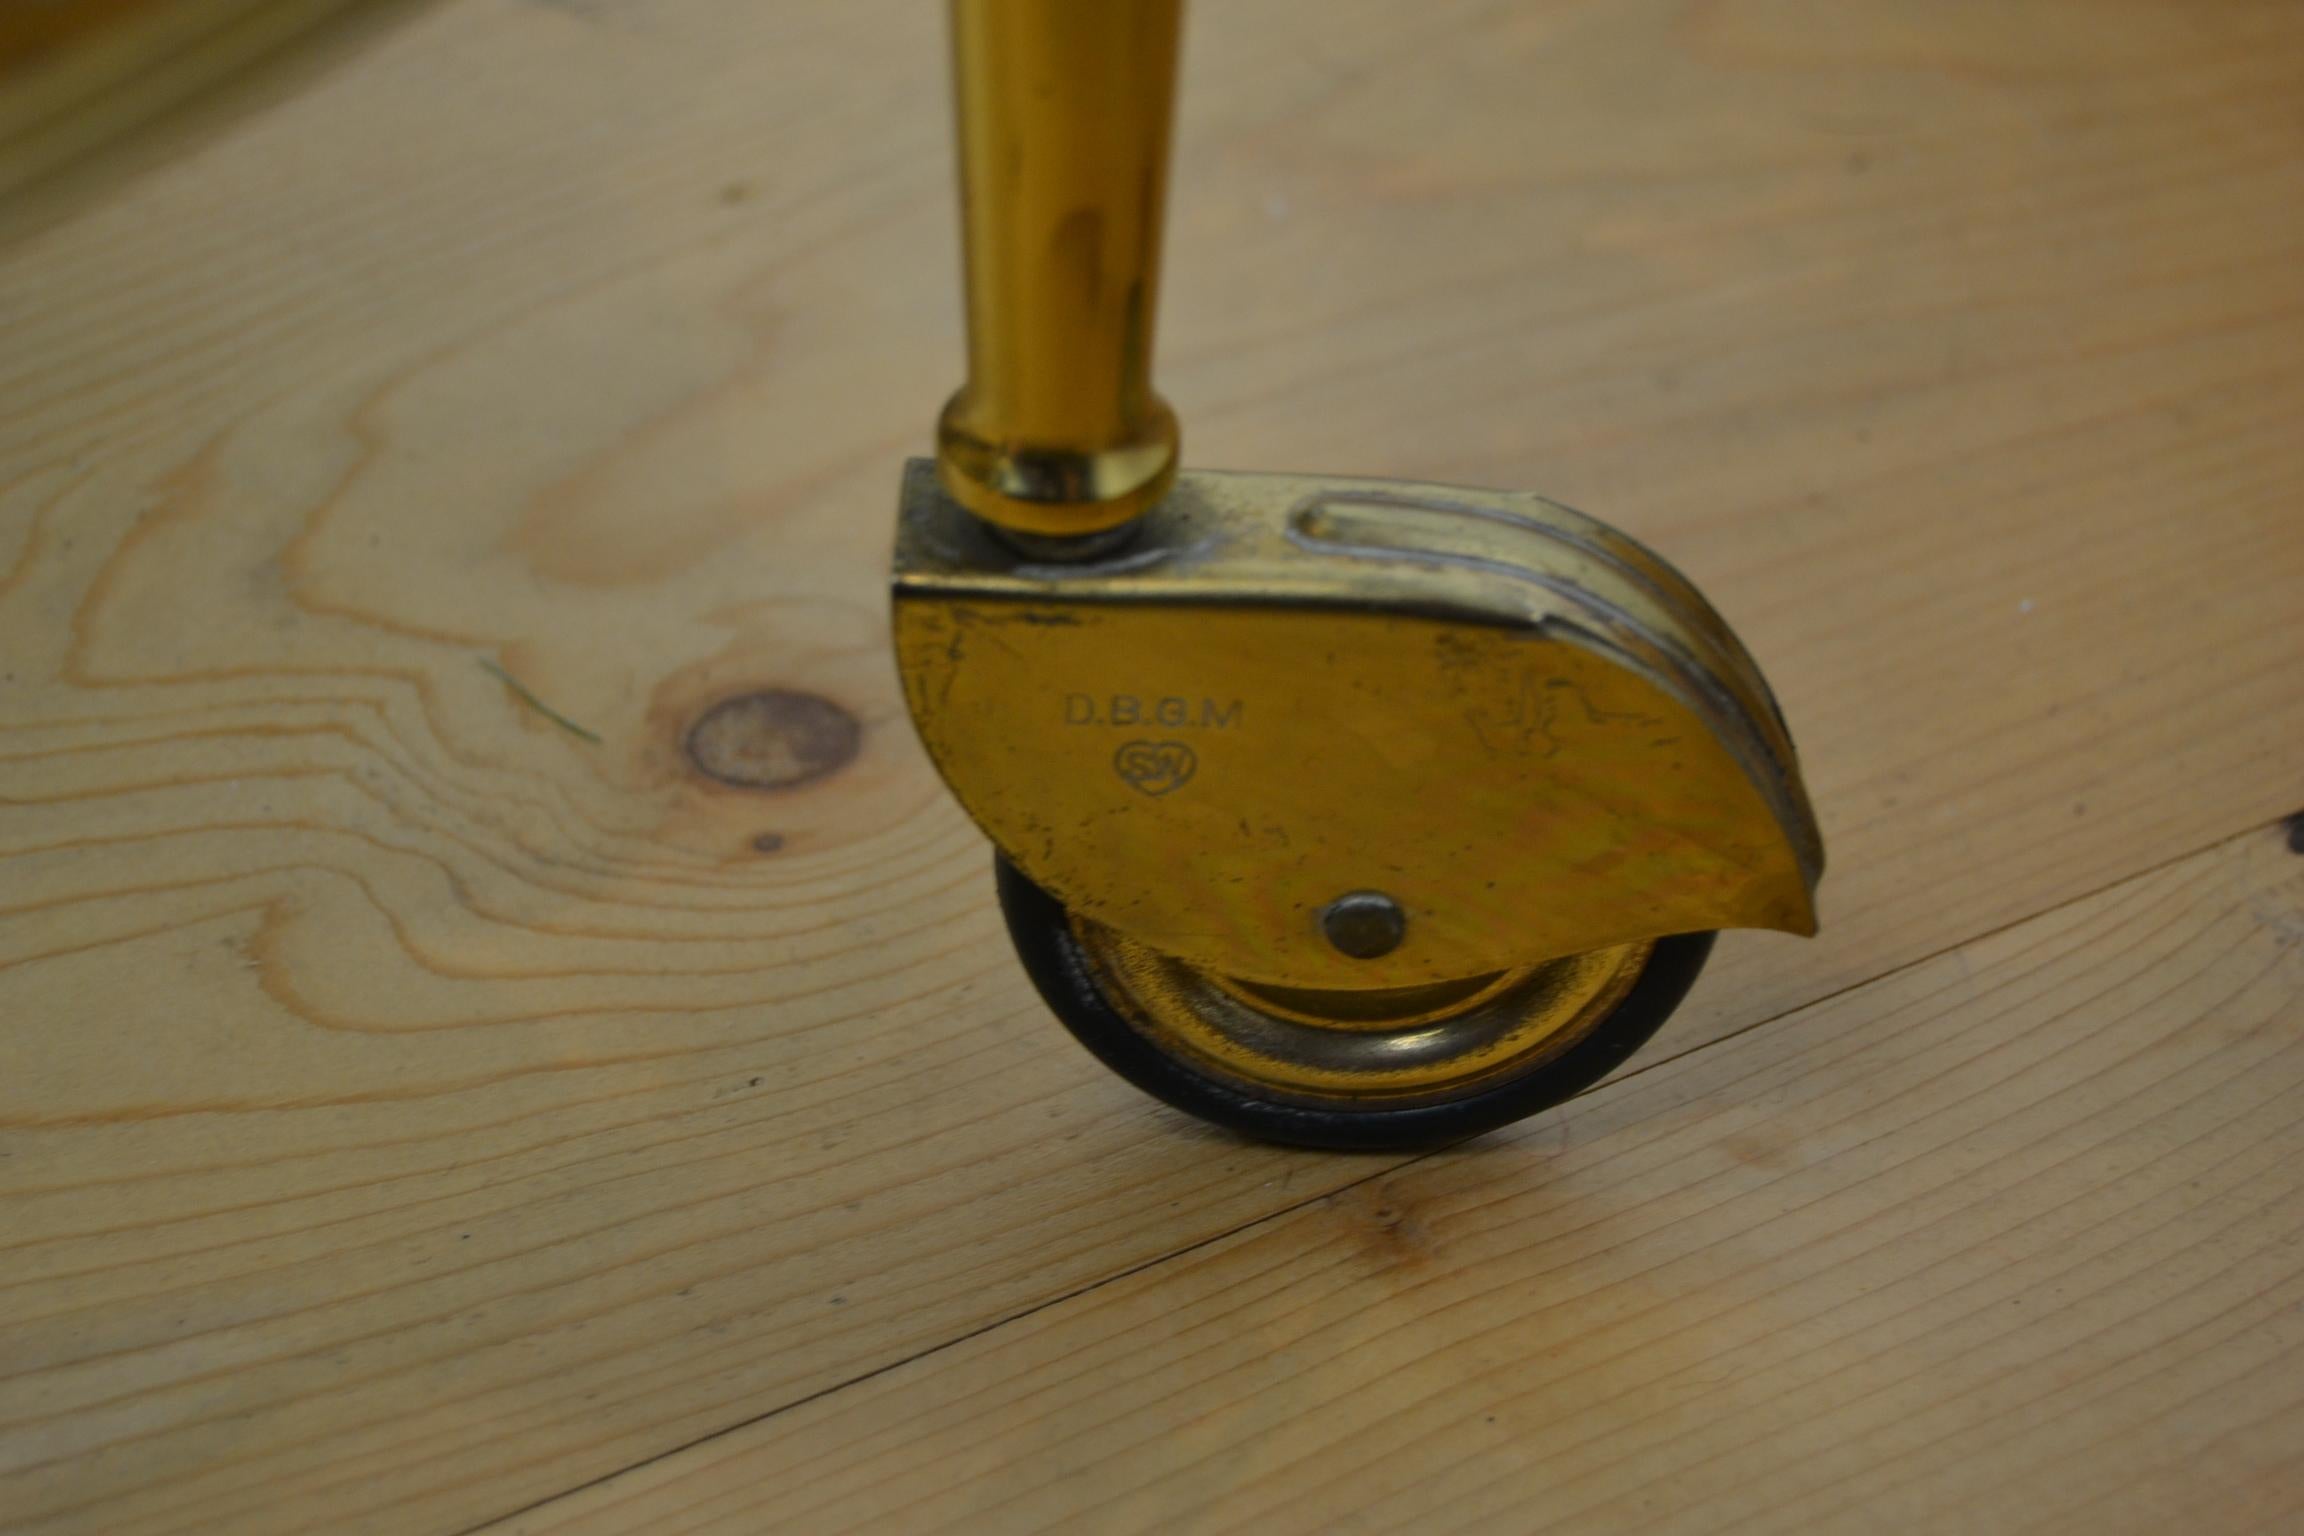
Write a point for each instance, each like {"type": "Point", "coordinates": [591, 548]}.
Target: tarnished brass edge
{"type": "Point", "coordinates": [1747, 719]}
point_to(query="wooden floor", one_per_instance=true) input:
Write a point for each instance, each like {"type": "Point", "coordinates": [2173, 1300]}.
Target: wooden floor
{"type": "Point", "coordinates": [430, 1103]}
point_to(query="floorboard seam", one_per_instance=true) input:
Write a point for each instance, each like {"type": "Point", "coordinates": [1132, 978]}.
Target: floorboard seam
{"type": "Point", "coordinates": [2289, 827]}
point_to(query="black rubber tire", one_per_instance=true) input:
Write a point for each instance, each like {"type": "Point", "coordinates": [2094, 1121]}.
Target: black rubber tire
{"type": "Point", "coordinates": [1060, 968]}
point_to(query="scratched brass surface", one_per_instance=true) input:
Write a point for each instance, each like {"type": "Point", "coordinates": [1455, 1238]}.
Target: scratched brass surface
{"type": "Point", "coordinates": [1523, 727]}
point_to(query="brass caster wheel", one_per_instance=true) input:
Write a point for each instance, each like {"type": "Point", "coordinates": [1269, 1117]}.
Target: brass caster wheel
{"type": "Point", "coordinates": [1343, 812]}
{"type": "Point", "coordinates": [1362, 1070]}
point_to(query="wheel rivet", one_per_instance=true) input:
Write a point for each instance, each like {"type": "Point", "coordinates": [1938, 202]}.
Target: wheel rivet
{"type": "Point", "coordinates": [1364, 924]}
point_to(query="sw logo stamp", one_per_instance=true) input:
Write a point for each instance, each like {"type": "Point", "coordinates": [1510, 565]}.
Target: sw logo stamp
{"type": "Point", "coordinates": [1155, 767]}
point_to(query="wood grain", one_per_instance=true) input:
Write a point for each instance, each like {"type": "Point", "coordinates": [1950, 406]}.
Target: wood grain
{"type": "Point", "coordinates": [2011, 1240]}
{"type": "Point", "coordinates": [413, 1109]}
{"type": "Point", "coordinates": [92, 90]}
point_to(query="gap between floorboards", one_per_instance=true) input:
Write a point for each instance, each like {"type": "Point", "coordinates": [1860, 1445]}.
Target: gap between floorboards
{"type": "Point", "coordinates": [2293, 825]}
